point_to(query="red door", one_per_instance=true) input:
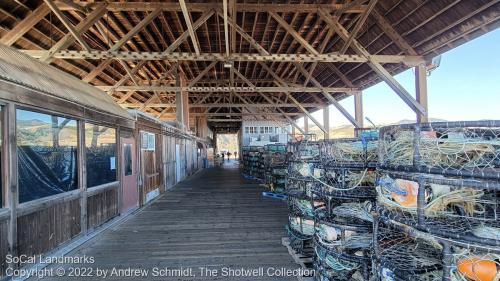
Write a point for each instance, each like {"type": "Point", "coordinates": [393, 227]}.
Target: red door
{"type": "Point", "coordinates": [130, 194]}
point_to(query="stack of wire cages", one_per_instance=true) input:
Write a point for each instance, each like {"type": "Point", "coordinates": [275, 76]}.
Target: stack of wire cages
{"type": "Point", "coordinates": [438, 198]}
{"type": "Point", "coordinates": [252, 161]}
{"type": "Point", "coordinates": [276, 167]}
{"type": "Point", "coordinates": [303, 165]}
{"type": "Point", "coordinates": [343, 236]}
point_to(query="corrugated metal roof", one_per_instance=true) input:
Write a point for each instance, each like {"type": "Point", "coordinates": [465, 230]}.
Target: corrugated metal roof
{"type": "Point", "coordinates": [24, 70]}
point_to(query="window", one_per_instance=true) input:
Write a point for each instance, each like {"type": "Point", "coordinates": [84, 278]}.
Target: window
{"type": "Point", "coordinates": [148, 141]}
{"type": "Point", "coordinates": [100, 152]}
{"type": "Point", "coordinates": [247, 130]}
{"type": "Point", "coordinates": [46, 154]}
{"type": "Point", "coordinates": [127, 159]}
{"type": "Point", "coordinates": [261, 130]}
{"type": "Point", "coordinates": [277, 129]}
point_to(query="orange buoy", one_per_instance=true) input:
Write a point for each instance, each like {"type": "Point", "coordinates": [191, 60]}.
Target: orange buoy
{"type": "Point", "coordinates": [410, 198]}
{"type": "Point", "coordinates": [478, 269]}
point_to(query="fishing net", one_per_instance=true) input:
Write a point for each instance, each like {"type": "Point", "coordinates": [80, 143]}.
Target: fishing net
{"type": "Point", "coordinates": [403, 257]}
{"type": "Point", "coordinates": [338, 265]}
{"type": "Point", "coordinates": [470, 149]}
{"type": "Point", "coordinates": [299, 187]}
{"type": "Point", "coordinates": [300, 227]}
{"type": "Point", "coordinates": [301, 169]}
{"type": "Point", "coordinates": [340, 182]}
{"type": "Point", "coordinates": [355, 152]}
{"type": "Point", "coordinates": [302, 207]}
{"type": "Point", "coordinates": [461, 209]}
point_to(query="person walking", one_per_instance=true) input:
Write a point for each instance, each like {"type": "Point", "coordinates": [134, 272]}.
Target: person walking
{"type": "Point", "coordinates": [235, 154]}
{"type": "Point", "coordinates": [228, 155]}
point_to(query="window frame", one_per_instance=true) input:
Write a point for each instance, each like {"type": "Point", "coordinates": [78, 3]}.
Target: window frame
{"type": "Point", "coordinates": [96, 188]}
{"type": "Point", "coordinates": [55, 197]}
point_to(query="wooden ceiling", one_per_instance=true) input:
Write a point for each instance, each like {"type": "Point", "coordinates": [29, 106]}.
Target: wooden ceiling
{"type": "Point", "coordinates": [274, 60]}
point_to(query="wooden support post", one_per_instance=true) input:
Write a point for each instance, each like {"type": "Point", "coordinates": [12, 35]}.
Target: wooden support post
{"type": "Point", "coordinates": [82, 176]}
{"type": "Point", "coordinates": [118, 159]}
{"type": "Point", "coordinates": [306, 124]}
{"type": "Point", "coordinates": [326, 122]}
{"type": "Point", "coordinates": [358, 108]}
{"type": "Point", "coordinates": [12, 187]}
{"type": "Point", "coordinates": [185, 104]}
{"type": "Point", "coordinates": [421, 89]}
{"type": "Point", "coordinates": [181, 101]}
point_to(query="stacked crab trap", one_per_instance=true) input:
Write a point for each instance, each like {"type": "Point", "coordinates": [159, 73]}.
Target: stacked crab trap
{"type": "Point", "coordinates": [438, 192]}
{"type": "Point", "coordinates": [303, 167]}
{"type": "Point", "coordinates": [343, 222]}
{"type": "Point", "coordinates": [252, 162]}
{"type": "Point", "coordinates": [275, 166]}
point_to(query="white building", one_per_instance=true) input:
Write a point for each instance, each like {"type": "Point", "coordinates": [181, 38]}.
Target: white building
{"type": "Point", "coordinates": [260, 133]}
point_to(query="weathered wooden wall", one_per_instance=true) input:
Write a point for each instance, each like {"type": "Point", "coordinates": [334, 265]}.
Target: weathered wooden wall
{"type": "Point", "coordinates": [4, 245]}
{"type": "Point", "coordinates": [102, 207]}
{"type": "Point", "coordinates": [41, 231]}
{"type": "Point", "coordinates": [169, 160]}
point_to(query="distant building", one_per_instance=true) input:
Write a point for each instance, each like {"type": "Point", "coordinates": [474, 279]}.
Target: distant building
{"type": "Point", "coordinates": [260, 133]}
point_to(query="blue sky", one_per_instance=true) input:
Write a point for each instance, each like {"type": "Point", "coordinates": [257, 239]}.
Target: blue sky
{"type": "Point", "coordinates": [466, 86]}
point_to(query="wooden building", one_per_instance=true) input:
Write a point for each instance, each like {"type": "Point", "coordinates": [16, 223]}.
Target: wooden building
{"type": "Point", "coordinates": [72, 159]}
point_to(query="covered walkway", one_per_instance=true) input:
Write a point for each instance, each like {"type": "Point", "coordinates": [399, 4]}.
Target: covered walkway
{"type": "Point", "coordinates": [215, 219]}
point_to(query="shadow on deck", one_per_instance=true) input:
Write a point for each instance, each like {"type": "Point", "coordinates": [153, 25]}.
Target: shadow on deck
{"type": "Point", "coordinates": [215, 220]}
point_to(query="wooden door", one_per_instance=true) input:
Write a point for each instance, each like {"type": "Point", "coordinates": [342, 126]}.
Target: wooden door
{"type": "Point", "coordinates": [130, 194]}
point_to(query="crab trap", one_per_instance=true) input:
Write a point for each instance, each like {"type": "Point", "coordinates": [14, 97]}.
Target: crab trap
{"type": "Point", "coordinates": [404, 253]}
{"type": "Point", "coordinates": [466, 149]}
{"type": "Point", "coordinates": [342, 182]}
{"type": "Point", "coordinates": [300, 230]}
{"type": "Point", "coordinates": [275, 166]}
{"type": "Point", "coordinates": [332, 264]}
{"type": "Point", "coordinates": [458, 208]}
{"type": "Point", "coordinates": [346, 223]}
{"type": "Point", "coordinates": [252, 161]}
{"type": "Point", "coordinates": [350, 152]}
{"type": "Point", "coordinates": [308, 151]}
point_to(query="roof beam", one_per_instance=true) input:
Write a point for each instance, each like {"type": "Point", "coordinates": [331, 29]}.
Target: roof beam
{"type": "Point", "coordinates": [130, 73]}
{"type": "Point", "coordinates": [358, 26]}
{"type": "Point", "coordinates": [374, 65]}
{"type": "Point", "coordinates": [269, 100]}
{"type": "Point", "coordinates": [303, 109]}
{"type": "Point", "coordinates": [116, 6]}
{"type": "Point", "coordinates": [296, 89]}
{"type": "Point", "coordinates": [226, 31]}
{"type": "Point", "coordinates": [80, 29]}
{"type": "Point", "coordinates": [185, 56]}
{"type": "Point", "coordinates": [187, 18]}
{"type": "Point", "coordinates": [202, 74]}
{"type": "Point", "coordinates": [393, 34]}
{"type": "Point", "coordinates": [226, 105]}
{"type": "Point", "coordinates": [97, 70]}
{"type": "Point", "coordinates": [204, 17]}
{"type": "Point", "coordinates": [245, 35]}
{"type": "Point", "coordinates": [331, 99]}
{"type": "Point", "coordinates": [294, 33]}
{"type": "Point", "coordinates": [25, 25]}
{"type": "Point", "coordinates": [67, 24]}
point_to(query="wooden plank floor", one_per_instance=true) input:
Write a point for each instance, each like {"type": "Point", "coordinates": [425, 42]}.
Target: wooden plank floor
{"type": "Point", "coordinates": [215, 219]}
